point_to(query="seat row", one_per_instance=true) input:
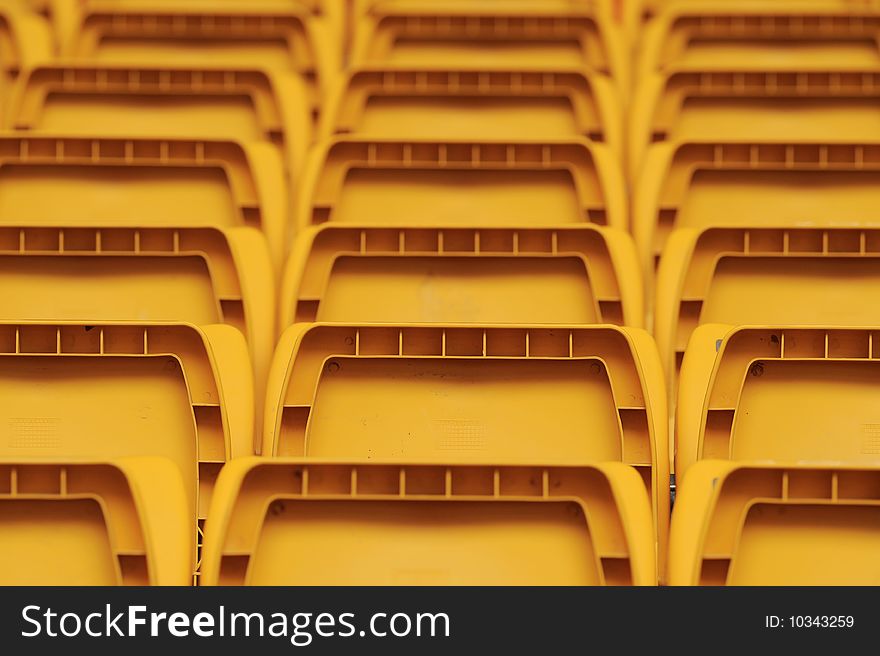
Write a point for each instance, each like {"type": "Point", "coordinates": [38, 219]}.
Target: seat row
{"type": "Point", "coordinates": [795, 215]}
{"type": "Point", "coordinates": [382, 414]}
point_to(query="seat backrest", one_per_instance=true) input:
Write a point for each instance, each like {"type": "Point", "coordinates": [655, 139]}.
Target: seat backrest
{"type": "Point", "coordinates": [234, 104]}
{"type": "Point", "coordinates": [752, 105]}
{"type": "Point", "coordinates": [427, 525]}
{"type": "Point", "coordinates": [364, 181]}
{"type": "Point", "coordinates": [570, 275]}
{"type": "Point", "coordinates": [499, 102]}
{"type": "Point", "coordinates": [739, 32]}
{"type": "Point", "coordinates": [244, 35]}
{"type": "Point", "coordinates": [483, 394]}
{"type": "Point", "coordinates": [764, 276]}
{"type": "Point", "coordinates": [779, 393]}
{"type": "Point", "coordinates": [512, 33]}
{"type": "Point", "coordinates": [79, 392]}
{"type": "Point", "coordinates": [92, 275]}
{"type": "Point", "coordinates": [754, 184]}
{"type": "Point", "coordinates": [776, 524]}
{"type": "Point", "coordinates": [94, 523]}
{"type": "Point", "coordinates": [118, 182]}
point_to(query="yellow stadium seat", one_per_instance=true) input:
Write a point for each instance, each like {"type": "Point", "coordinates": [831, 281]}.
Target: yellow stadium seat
{"type": "Point", "coordinates": [394, 182]}
{"type": "Point", "coordinates": [75, 392]}
{"type": "Point", "coordinates": [498, 102]}
{"type": "Point", "coordinates": [143, 183]}
{"type": "Point", "coordinates": [726, 33]}
{"type": "Point", "coordinates": [753, 184]}
{"type": "Point", "coordinates": [547, 33]}
{"type": "Point", "coordinates": [789, 394]}
{"type": "Point", "coordinates": [472, 395]}
{"type": "Point", "coordinates": [280, 35]}
{"type": "Point", "coordinates": [764, 276]}
{"type": "Point", "coordinates": [569, 275]}
{"type": "Point", "coordinates": [94, 523]}
{"type": "Point", "coordinates": [161, 102]}
{"type": "Point", "coordinates": [753, 104]}
{"type": "Point", "coordinates": [194, 275]}
{"type": "Point", "coordinates": [776, 524]}
{"type": "Point", "coordinates": [292, 522]}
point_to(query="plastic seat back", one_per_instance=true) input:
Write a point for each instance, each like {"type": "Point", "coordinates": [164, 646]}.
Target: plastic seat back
{"type": "Point", "coordinates": [752, 105]}
{"type": "Point", "coordinates": [483, 394]}
{"type": "Point", "coordinates": [513, 33]}
{"type": "Point", "coordinates": [82, 182]}
{"type": "Point", "coordinates": [765, 276]}
{"type": "Point", "coordinates": [578, 274]}
{"type": "Point", "coordinates": [225, 35]}
{"type": "Point", "coordinates": [776, 524]}
{"type": "Point", "coordinates": [290, 522]}
{"type": "Point", "coordinates": [751, 32]}
{"type": "Point", "coordinates": [160, 102]}
{"type": "Point", "coordinates": [353, 180]}
{"type": "Point", "coordinates": [82, 392]}
{"type": "Point", "coordinates": [94, 523]}
{"type": "Point", "coordinates": [754, 184]}
{"type": "Point", "coordinates": [201, 276]}
{"type": "Point", "coordinates": [475, 103]}
{"type": "Point", "coordinates": [778, 393]}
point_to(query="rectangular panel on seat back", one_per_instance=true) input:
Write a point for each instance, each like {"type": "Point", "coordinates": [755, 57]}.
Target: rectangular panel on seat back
{"type": "Point", "coordinates": [290, 522]}
{"type": "Point", "coordinates": [511, 183]}
{"type": "Point", "coordinates": [786, 393]}
{"type": "Point", "coordinates": [192, 275]}
{"type": "Point", "coordinates": [764, 276]}
{"type": "Point", "coordinates": [479, 103]}
{"type": "Point", "coordinates": [278, 36]}
{"type": "Point", "coordinates": [754, 104]}
{"type": "Point", "coordinates": [719, 34]}
{"type": "Point", "coordinates": [776, 524]}
{"type": "Point", "coordinates": [754, 184]}
{"type": "Point", "coordinates": [578, 274]}
{"type": "Point", "coordinates": [512, 32]}
{"type": "Point", "coordinates": [129, 182]}
{"type": "Point", "coordinates": [198, 103]}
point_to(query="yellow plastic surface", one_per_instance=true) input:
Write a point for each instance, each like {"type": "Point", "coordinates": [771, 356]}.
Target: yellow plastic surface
{"type": "Point", "coordinates": [479, 103]}
{"type": "Point", "coordinates": [764, 276]}
{"type": "Point", "coordinates": [278, 35]}
{"type": "Point", "coordinates": [291, 522]}
{"type": "Point", "coordinates": [74, 392]}
{"type": "Point", "coordinates": [761, 103]}
{"type": "Point", "coordinates": [549, 33]}
{"type": "Point", "coordinates": [472, 394]}
{"type": "Point", "coordinates": [94, 523]}
{"type": "Point", "coordinates": [725, 33]}
{"type": "Point", "coordinates": [200, 276]}
{"type": "Point", "coordinates": [161, 102]}
{"type": "Point", "coordinates": [776, 524]}
{"type": "Point", "coordinates": [779, 393]}
{"type": "Point", "coordinates": [754, 184]}
{"type": "Point", "coordinates": [465, 183]}
{"type": "Point", "coordinates": [568, 275]}
{"type": "Point", "coordinates": [82, 182]}
{"type": "Point", "coordinates": [25, 41]}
